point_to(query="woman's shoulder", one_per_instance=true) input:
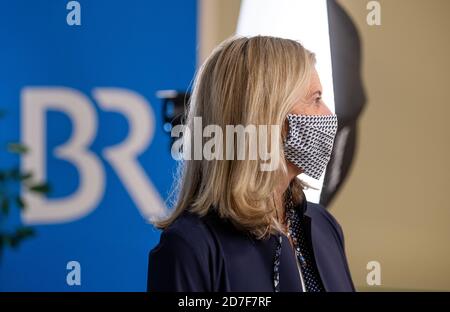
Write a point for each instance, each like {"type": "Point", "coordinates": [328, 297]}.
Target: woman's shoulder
{"type": "Point", "coordinates": [188, 228]}
{"type": "Point", "coordinates": [181, 259]}
{"type": "Point", "coordinates": [322, 217]}
{"type": "Point", "coordinates": [187, 222]}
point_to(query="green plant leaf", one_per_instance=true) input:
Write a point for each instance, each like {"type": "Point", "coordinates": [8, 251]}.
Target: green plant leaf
{"type": "Point", "coordinates": [6, 239]}
{"type": "Point", "coordinates": [40, 188]}
{"type": "Point", "coordinates": [20, 203]}
{"type": "Point", "coordinates": [13, 174]}
{"type": "Point", "coordinates": [17, 148]}
{"type": "Point", "coordinates": [24, 232]}
{"type": "Point", "coordinates": [25, 176]}
{"type": "Point", "coordinates": [4, 205]}
{"type": "Point", "coordinates": [14, 239]}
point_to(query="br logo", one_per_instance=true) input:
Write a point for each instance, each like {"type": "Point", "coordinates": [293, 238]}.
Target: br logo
{"type": "Point", "coordinates": [36, 101]}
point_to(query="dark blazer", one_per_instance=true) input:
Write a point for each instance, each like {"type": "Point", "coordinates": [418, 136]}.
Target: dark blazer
{"type": "Point", "coordinates": [210, 254]}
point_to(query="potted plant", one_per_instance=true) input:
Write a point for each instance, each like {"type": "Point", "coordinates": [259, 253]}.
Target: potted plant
{"type": "Point", "coordinates": [14, 179]}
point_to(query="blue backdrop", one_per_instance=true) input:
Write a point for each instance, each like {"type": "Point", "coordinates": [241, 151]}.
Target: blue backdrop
{"type": "Point", "coordinates": [137, 46]}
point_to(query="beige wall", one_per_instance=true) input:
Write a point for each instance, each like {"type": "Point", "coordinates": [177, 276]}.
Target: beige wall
{"type": "Point", "coordinates": [217, 22]}
{"type": "Point", "coordinates": [393, 208]}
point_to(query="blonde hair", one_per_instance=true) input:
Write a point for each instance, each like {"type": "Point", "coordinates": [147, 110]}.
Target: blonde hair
{"type": "Point", "coordinates": [244, 81]}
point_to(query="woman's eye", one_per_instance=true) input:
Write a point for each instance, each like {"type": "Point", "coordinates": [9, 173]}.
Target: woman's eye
{"type": "Point", "coordinates": [318, 99]}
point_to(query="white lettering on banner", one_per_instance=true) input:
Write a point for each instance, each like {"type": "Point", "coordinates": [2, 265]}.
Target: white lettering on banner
{"type": "Point", "coordinates": [36, 101]}
{"type": "Point", "coordinates": [122, 157]}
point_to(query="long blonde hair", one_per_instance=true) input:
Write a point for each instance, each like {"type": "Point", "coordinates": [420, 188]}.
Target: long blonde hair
{"type": "Point", "coordinates": [244, 81]}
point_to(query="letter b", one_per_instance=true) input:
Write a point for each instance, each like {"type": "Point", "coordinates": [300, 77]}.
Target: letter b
{"type": "Point", "coordinates": [35, 103]}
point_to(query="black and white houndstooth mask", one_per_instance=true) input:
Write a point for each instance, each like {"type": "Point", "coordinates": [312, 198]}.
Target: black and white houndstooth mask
{"type": "Point", "coordinates": [309, 142]}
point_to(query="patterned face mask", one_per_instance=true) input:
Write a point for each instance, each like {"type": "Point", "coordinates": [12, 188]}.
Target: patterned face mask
{"type": "Point", "coordinates": [309, 142]}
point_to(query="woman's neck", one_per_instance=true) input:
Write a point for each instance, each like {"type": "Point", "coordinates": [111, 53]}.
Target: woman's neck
{"type": "Point", "coordinates": [292, 172]}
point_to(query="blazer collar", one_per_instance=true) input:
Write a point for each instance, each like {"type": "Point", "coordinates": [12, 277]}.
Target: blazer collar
{"type": "Point", "coordinates": [312, 232]}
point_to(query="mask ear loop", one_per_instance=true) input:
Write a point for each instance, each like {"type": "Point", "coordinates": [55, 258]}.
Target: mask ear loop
{"type": "Point", "coordinates": [285, 131]}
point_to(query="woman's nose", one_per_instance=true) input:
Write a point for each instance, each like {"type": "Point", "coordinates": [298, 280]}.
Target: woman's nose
{"type": "Point", "coordinates": [325, 110]}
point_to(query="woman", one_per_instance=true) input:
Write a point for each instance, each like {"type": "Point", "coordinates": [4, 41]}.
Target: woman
{"type": "Point", "coordinates": [236, 227]}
